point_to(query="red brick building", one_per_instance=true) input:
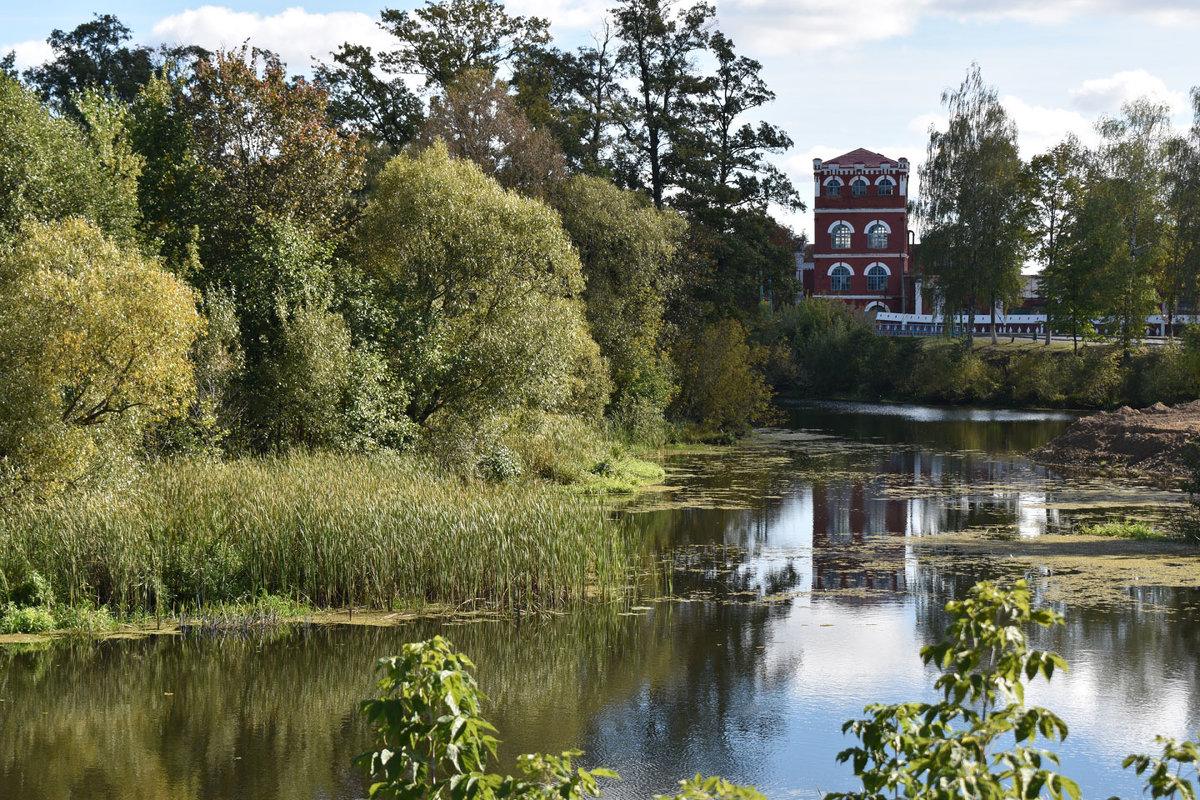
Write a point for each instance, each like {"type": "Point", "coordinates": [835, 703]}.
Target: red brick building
{"type": "Point", "coordinates": [860, 237]}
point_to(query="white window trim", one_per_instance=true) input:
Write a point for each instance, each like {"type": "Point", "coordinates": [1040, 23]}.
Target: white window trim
{"type": "Point", "coordinates": [832, 267]}
{"type": "Point", "coordinates": [881, 179]}
{"type": "Point", "coordinates": [875, 304]}
{"type": "Point", "coordinates": [831, 179]}
{"type": "Point", "coordinates": [874, 222]}
{"type": "Point", "coordinates": [840, 222]}
{"type": "Point", "coordinates": [874, 264]}
{"type": "Point", "coordinates": [873, 254]}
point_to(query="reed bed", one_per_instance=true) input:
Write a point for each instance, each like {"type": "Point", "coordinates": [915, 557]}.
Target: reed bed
{"type": "Point", "coordinates": [330, 530]}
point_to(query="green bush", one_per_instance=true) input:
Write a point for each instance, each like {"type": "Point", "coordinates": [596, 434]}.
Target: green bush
{"type": "Point", "coordinates": [26, 619]}
{"type": "Point", "coordinates": [433, 742]}
{"type": "Point", "coordinates": [953, 373]}
{"type": "Point", "coordinates": [721, 386]}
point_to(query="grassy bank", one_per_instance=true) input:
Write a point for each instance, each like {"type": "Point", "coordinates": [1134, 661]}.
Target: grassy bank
{"type": "Point", "coordinates": [330, 530]}
{"type": "Point", "coordinates": [825, 350]}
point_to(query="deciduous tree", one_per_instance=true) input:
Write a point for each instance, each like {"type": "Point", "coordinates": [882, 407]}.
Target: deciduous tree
{"type": "Point", "coordinates": [1057, 185]}
{"type": "Point", "coordinates": [110, 354]}
{"type": "Point", "coordinates": [478, 120]}
{"type": "Point", "coordinates": [483, 288]}
{"type": "Point", "coordinates": [658, 45]}
{"type": "Point", "coordinates": [444, 39]}
{"type": "Point", "coordinates": [1130, 159]}
{"type": "Point", "coordinates": [92, 56]}
{"type": "Point", "coordinates": [973, 205]}
{"type": "Point", "coordinates": [627, 248]}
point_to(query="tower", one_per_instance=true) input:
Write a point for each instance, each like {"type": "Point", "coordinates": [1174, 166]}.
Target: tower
{"type": "Point", "coordinates": [860, 236]}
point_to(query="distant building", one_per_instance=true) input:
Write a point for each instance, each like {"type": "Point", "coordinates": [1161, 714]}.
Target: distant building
{"type": "Point", "coordinates": [860, 239]}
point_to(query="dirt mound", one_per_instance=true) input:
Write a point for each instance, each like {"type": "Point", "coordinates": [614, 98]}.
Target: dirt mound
{"type": "Point", "coordinates": [1151, 441]}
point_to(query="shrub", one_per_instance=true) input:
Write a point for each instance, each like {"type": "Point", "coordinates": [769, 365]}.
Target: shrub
{"type": "Point", "coordinates": [950, 749]}
{"type": "Point", "coordinates": [721, 387]}
{"type": "Point", "coordinates": [433, 742]}
{"type": "Point", "coordinates": [26, 619]}
{"type": "Point", "coordinates": [952, 373]}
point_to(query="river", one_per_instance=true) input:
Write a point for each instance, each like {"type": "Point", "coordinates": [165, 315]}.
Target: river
{"type": "Point", "coordinates": [798, 576]}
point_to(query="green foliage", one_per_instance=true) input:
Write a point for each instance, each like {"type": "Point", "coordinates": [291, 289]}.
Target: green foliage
{"type": "Point", "coordinates": [111, 355]}
{"type": "Point", "coordinates": [318, 390]}
{"type": "Point", "coordinates": [482, 289]}
{"type": "Point", "coordinates": [91, 56]}
{"type": "Point", "coordinates": [173, 187]}
{"type": "Point", "coordinates": [433, 739]}
{"type": "Point", "coordinates": [834, 351]}
{"type": "Point", "coordinates": [267, 152]}
{"type": "Point", "coordinates": [952, 748]}
{"type": "Point", "coordinates": [433, 742]}
{"type": "Point", "coordinates": [380, 527]}
{"type": "Point", "coordinates": [626, 247]}
{"type": "Point", "coordinates": [974, 203]}
{"type": "Point", "coordinates": [477, 119]}
{"type": "Point", "coordinates": [952, 373]}
{"type": "Point", "coordinates": [722, 388]}
{"type": "Point", "coordinates": [1167, 775]}
{"type": "Point", "coordinates": [445, 39]}
{"type": "Point", "coordinates": [712, 788]}
{"type": "Point", "coordinates": [1130, 176]}
{"type": "Point", "coordinates": [1122, 529]}
{"type": "Point", "coordinates": [52, 170]}
{"type": "Point", "coordinates": [385, 111]}
{"type": "Point", "coordinates": [25, 619]}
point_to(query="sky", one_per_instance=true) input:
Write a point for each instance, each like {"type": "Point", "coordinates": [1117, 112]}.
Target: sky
{"type": "Point", "coordinates": [847, 73]}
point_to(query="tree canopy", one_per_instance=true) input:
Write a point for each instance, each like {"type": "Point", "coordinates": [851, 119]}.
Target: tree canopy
{"type": "Point", "coordinates": [974, 205]}
{"type": "Point", "coordinates": [482, 287]}
{"type": "Point", "coordinates": [114, 332]}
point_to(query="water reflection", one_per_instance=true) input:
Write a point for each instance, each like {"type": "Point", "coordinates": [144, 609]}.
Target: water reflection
{"type": "Point", "coordinates": [803, 586]}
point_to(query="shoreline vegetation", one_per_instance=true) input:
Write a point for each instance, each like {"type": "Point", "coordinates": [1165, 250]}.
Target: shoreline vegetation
{"type": "Point", "coordinates": [284, 536]}
{"type": "Point", "coordinates": [821, 349]}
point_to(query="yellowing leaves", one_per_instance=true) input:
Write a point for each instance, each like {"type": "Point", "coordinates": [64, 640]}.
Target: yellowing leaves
{"type": "Point", "coordinates": [89, 335]}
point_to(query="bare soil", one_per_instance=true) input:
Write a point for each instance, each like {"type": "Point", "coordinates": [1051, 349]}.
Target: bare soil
{"type": "Point", "coordinates": [1149, 442]}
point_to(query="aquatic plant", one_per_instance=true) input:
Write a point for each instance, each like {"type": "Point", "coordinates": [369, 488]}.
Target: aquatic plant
{"type": "Point", "coordinates": [1123, 529]}
{"type": "Point", "coordinates": [323, 529]}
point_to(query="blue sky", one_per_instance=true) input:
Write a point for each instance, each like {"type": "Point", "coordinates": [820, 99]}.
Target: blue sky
{"type": "Point", "coordinates": [848, 73]}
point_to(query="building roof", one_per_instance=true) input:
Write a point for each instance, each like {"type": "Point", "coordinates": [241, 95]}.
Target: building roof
{"type": "Point", "coordinates": [862, 156]}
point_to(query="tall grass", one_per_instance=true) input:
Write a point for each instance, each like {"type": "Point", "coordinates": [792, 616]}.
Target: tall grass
{"type": "Point", "coordinates": [327, 529]}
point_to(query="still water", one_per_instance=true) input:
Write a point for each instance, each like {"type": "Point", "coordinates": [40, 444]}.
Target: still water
{"type": "Point", "coordinates": [804, 571]}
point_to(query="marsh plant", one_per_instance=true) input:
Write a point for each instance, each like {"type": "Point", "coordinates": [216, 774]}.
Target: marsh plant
{"type": "Point", "coordinates": [322, 529]}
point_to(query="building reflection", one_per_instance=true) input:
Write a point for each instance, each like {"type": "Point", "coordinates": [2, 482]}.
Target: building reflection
{"type": "Point", "coordinates": [853, 530]}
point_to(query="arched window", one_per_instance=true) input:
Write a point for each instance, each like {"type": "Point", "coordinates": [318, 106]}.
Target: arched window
{"type": "Point", "coordinates": [877, 279]}
{"type": "Point", "coordinates": [877, 236]}
{"type": "Point", "coordinates": [885, 187]}
{"type": "Point", "coordinates": [833, 188]}
{"type": "Point", "coordinates": [839, 279]}
{"type": "Point", "coordinates": [840, 236]}
{"type": "Point", "coordinates": [859, 188]}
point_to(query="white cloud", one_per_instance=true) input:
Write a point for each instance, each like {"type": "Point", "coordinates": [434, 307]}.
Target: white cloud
{"type": "Point", "coordinates": [1105, 95]}
{"type": "Point", "coordinates": [295, 34]}
{"type": "Point", "coordinates": [29, 54]}
{"type": "Point", "coordinates": [564, 15]}
{"type": "Point", "coordinates": [1039, 128]}
{"type": "Point", "coordinates": [779, 27]}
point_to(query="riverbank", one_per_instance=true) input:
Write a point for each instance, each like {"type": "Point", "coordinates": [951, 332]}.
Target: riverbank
{"type": "Point", "coordinates": [319, 530]}
{"type": "Point", "coordinates": [1152, 442]}
{"type": "Point", "coordinates": [823, 350]}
